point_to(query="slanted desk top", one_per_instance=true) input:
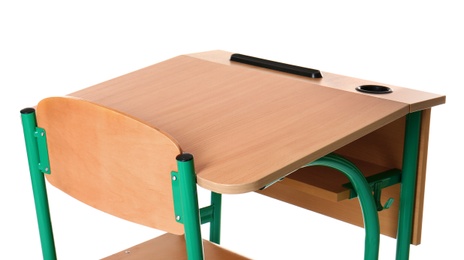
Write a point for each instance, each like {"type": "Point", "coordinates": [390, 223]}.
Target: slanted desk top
{"type": "Point", "coordinates": [248, 126]}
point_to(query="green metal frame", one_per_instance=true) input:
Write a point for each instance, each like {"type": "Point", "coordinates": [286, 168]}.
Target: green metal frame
{"type": "Point", "coordinates": [408, 178]}
{"type": "Point", "coordinates": [378, 182]}
{"type": "Point", "coordinates": [408, 184]}
{"type": "Point", "coordinates": [37, 155]}
{"type": "Point", "coordinates": [185, 195]}
{"type": "Point", "coordinates": [187, 211]}
{"type": "Point", "coordinates": [366, 200]}
{"type": "Point", "coordinates": [215, 223]}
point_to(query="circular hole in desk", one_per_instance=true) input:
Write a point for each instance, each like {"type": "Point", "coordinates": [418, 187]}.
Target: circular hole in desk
{"type": "Point", "coordinates": [374, 89]}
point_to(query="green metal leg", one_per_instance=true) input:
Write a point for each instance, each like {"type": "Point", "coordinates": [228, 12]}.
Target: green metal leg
{"type": "Point", "coordinates": [408, 185]}
{"type": "Point", "coordinates": [215, 225]}
{"type": "Point", "coordinates": [38, 183]}
{"type": "Point", "coordinates": [190, 210]}
{"type": "Point", "coordinates": [366, 200]}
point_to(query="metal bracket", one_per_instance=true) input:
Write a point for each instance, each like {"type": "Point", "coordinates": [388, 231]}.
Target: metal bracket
{"type": "Point", "coordinates": [206, 213]}
{"type": "Point", "coordinates": [177, 197]}
{"type": "Point", "coordinates": [272, 183]}
{"type": "Point", "coordinates": [44, 163]}
{"type": "Point", "coordinates": [377, 183]}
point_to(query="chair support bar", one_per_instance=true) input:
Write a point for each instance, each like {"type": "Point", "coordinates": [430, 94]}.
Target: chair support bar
{"type": "Point", "coordinates": [212, 214]}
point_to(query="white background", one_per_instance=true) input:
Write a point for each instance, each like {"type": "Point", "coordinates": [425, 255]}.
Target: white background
{"type": "Point", "coordinates": [50, 48]}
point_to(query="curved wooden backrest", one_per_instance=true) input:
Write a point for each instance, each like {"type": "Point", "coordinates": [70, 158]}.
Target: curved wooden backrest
{"type": "Point", "coordinates": [110, 161]}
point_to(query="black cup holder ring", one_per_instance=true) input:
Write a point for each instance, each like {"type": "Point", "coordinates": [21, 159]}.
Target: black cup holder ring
{"type": "Point", "coordinates": [374, 89]}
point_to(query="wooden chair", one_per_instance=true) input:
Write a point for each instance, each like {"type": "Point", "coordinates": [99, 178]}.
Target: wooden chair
{"type": "Point", "coordinates": [124, 167]}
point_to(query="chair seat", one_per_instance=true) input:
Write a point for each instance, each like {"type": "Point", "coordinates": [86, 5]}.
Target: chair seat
{"type": "Point", "coordinates": [170, 246]}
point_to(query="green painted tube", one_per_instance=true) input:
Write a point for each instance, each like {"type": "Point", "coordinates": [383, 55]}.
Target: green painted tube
{"type": "Point", "coordinates": [190, 209]}
{"type": "Point", "coordinates": [408, 185]}
{"type": "Point", "coordinates": [215, 225]}
{"type": "Point", "coordinates": [38, 184]}
{"type": "Point", "coordinates": [366, 200]}
{"type": "Point", "coordinates": [206, 214]}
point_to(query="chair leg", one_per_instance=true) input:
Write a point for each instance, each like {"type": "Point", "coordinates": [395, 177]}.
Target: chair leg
{"type": "Point", "coordinates": [190, 209]}
{"type": "Point", "coordinates": [28, 119]}
{"type": "Point", "coordinates": [408, 185]}
{"type": "Point", "coordinates": [366, 200]}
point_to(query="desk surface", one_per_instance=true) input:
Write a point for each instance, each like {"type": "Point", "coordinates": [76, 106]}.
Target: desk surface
{"type": "Point", "coordinates": [247, 126]}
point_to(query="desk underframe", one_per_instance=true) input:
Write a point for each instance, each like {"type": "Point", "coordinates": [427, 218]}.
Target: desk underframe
{"type": "Point", "coordinates": [383, 147]}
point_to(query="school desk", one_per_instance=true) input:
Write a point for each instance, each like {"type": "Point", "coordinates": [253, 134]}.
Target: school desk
{"type": "Point", "coordinates": [291, 133]}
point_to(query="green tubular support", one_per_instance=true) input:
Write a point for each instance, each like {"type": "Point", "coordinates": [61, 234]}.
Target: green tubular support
{"type": "Point", "coordinates": [408, 185]}
{"type": "Point", "coordinates": [190, 211]}
{"type": "Point", "coordinates": [215, 225]}
{"type": "Point", "coordinates": [378, 182]}
{"type": "Point", "coordinates": [366, 200]}
{"type": "Point", "coordinates": [206, 214]}
{"type": "Point", "coordinates": [29, 123]}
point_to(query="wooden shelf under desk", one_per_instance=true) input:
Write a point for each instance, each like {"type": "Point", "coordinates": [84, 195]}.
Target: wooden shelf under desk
{"type": "Point", "coordinates": [328, 183]}
{"type": "Point", "coordinates": [320, 189]}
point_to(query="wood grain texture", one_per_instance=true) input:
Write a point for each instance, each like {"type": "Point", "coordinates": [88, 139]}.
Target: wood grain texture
{"type": "Point", "coordinates": [246, 128]}
{"type": "Point", "coordinates": [416, 100]}
{"type": "Point", "coordinates": [110, 161]}
{"type": "Point", "coordinates": [170, 246]}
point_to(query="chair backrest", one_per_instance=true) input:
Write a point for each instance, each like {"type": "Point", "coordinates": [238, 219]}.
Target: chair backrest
{"type": "Point", "coordinates": [110, 161]}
